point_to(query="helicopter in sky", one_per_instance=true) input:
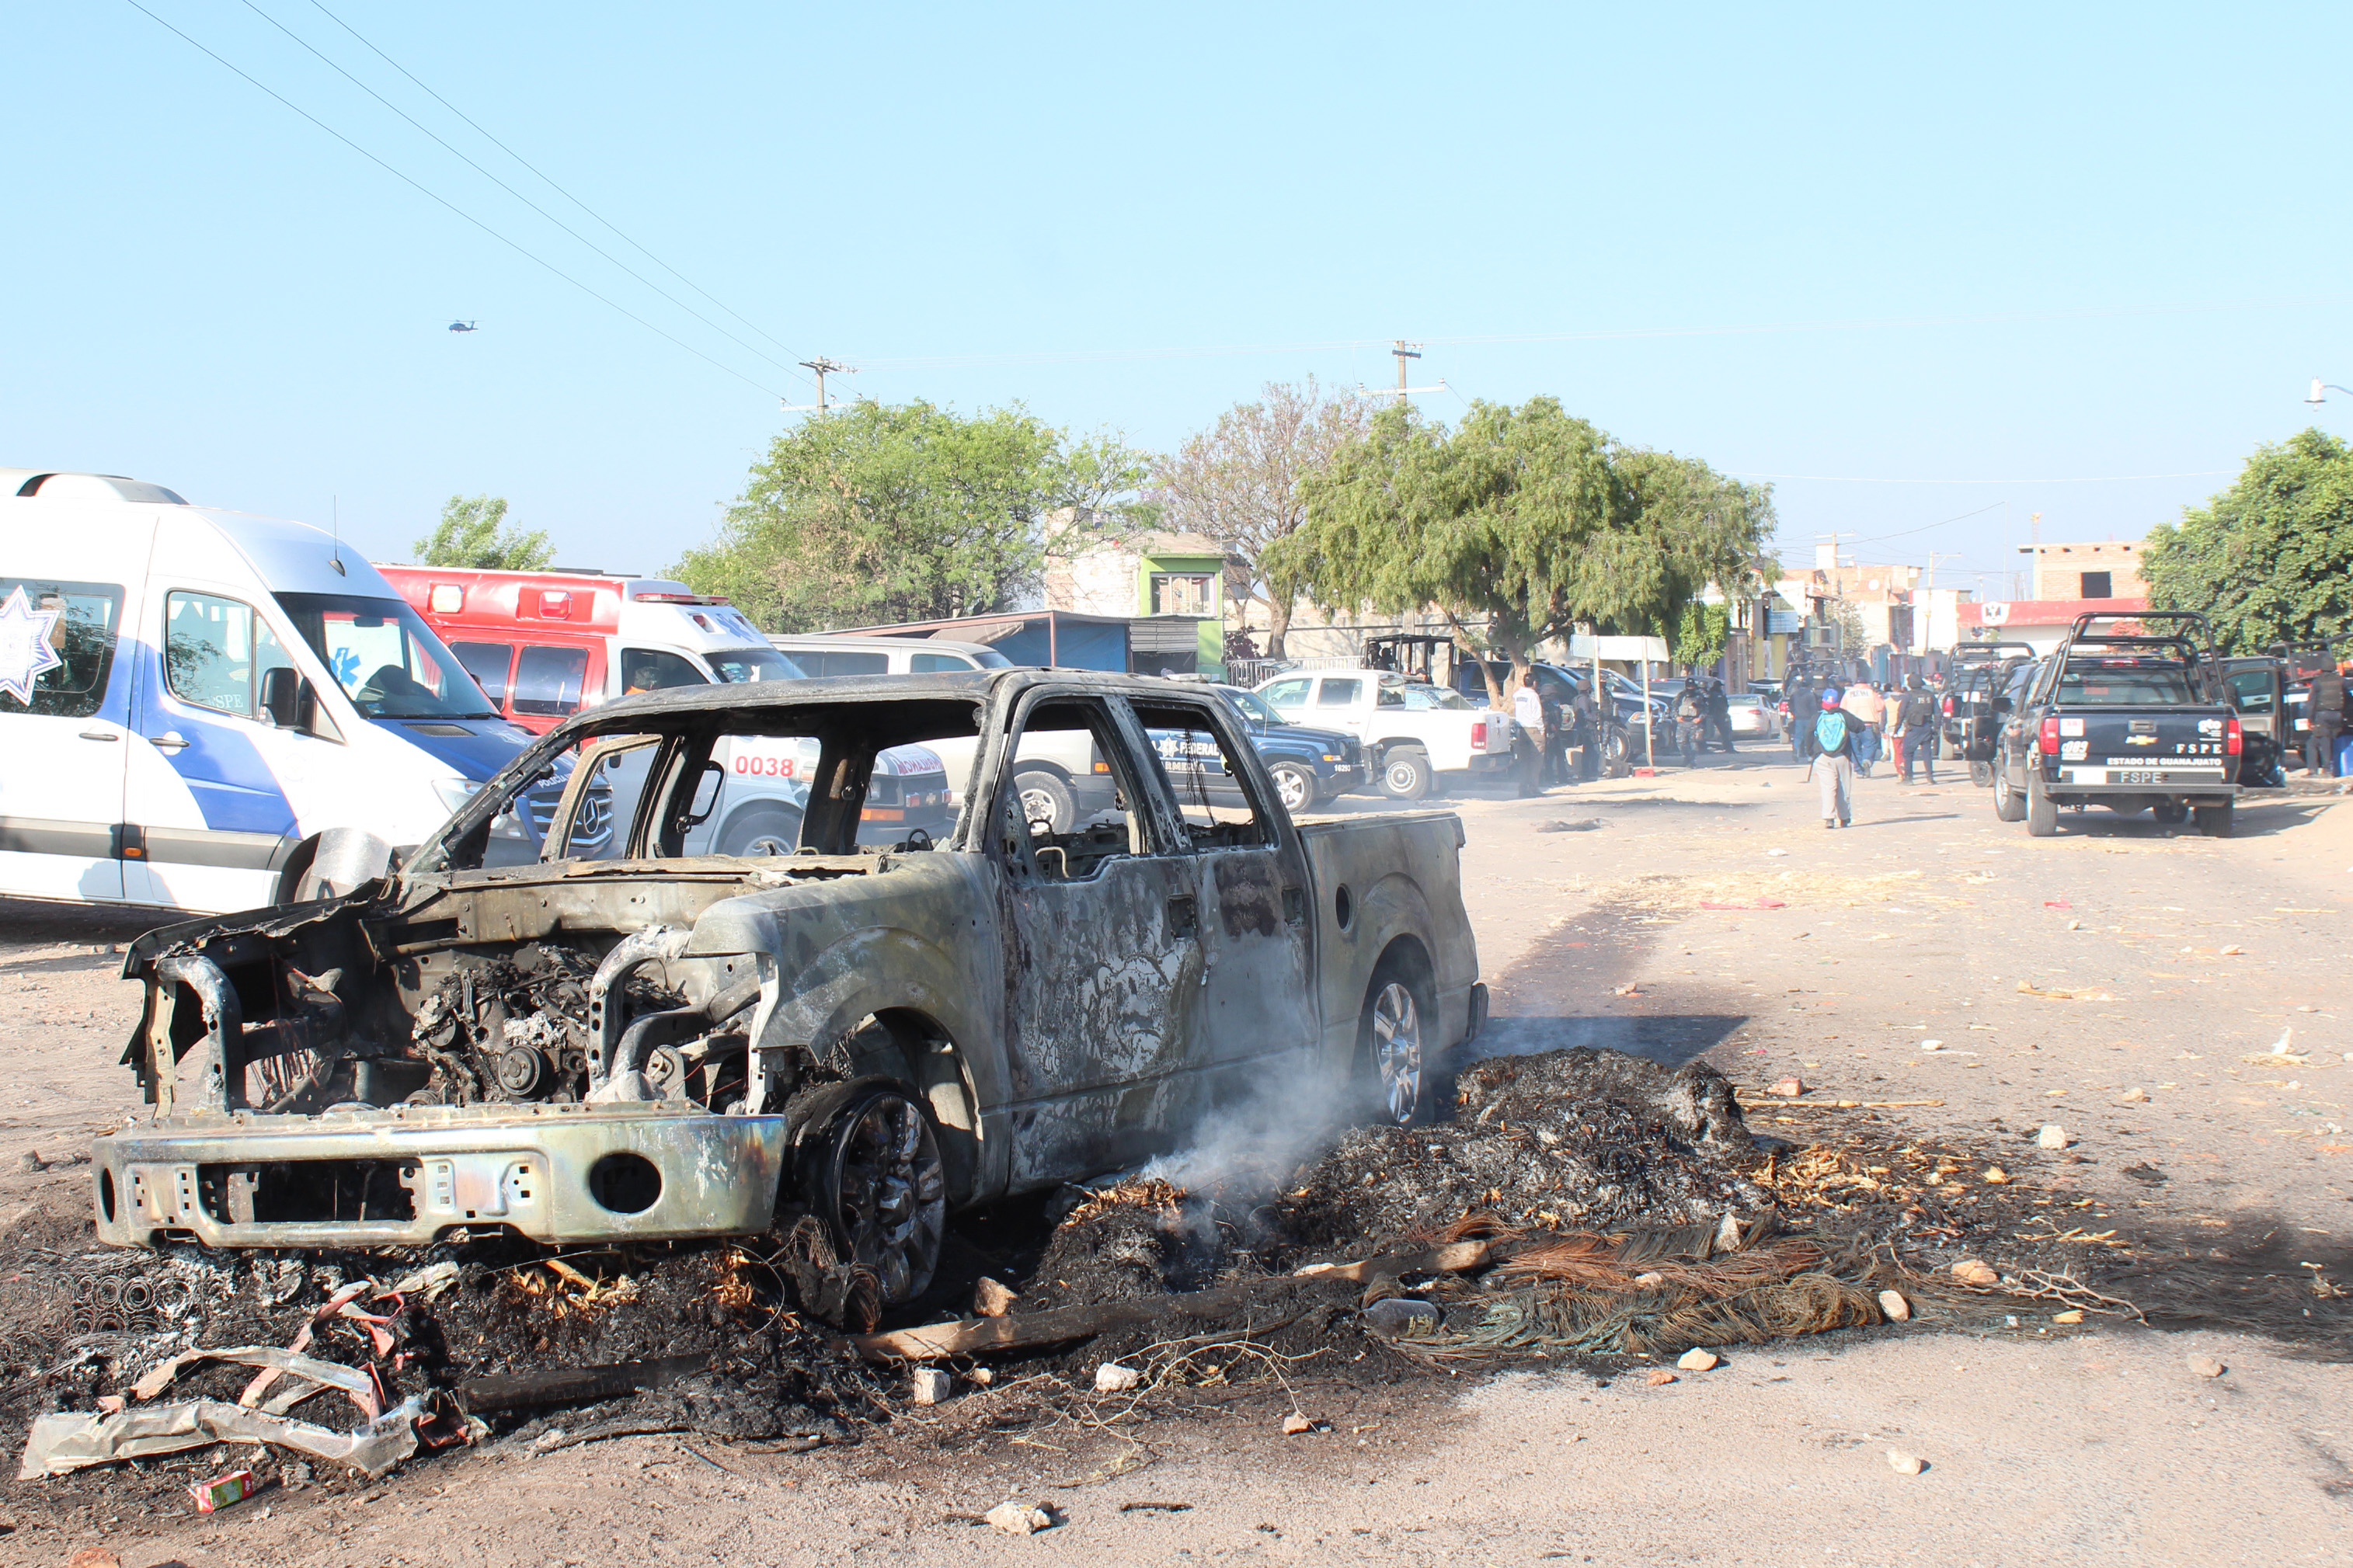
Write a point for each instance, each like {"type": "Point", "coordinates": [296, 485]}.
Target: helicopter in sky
{"type": "Point", "coordinates": [463, 327]}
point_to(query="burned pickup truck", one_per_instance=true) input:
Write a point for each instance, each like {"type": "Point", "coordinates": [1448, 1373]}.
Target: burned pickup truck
{"type": "Point", "coordinates": [633, 1040]}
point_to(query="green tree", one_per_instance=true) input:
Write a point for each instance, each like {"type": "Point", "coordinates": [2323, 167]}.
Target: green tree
{"type": "Point", "coordinates": [2271, 559]}
{"type": "Point", "coordinates": [1525, 519]}
{"type": "Point", "coordinates": [883, 512]}
{"type": "Point", "coordinates": [1702, 634]}
{"type": "Point", "coordinates": [473, 532]}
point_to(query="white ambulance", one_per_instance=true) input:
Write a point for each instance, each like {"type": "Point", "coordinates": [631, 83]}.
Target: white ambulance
{"type": "Point", "coordinates": [208, 710]}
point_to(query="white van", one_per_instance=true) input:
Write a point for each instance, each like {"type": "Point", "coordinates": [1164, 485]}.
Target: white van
{"type": "Point", "coordinates": [821, 654]}
{"type": "Point", "coordinates": [204, 709]}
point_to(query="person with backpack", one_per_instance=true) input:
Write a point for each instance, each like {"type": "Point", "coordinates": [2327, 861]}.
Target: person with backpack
{"type": "Point", "coordinates": [1834, 735]}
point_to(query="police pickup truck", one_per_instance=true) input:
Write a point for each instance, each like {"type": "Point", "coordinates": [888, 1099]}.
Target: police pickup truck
{"type": "Point", "coordinates": [2131, 712]}
{"type": "Point", "coordinates": [1970, 710]}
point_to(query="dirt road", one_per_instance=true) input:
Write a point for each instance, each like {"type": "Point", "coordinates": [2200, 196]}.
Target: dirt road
{"type": "Point", "coordinates": [2114, 981]}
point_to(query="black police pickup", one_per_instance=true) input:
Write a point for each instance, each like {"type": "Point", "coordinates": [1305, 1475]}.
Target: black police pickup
{"type": "Point", "coordinates": [1970, 706]}
{"type": "Point", "coordinates": [1308, 765]}
{"type": "Point", "coordinates": [2131, 712]}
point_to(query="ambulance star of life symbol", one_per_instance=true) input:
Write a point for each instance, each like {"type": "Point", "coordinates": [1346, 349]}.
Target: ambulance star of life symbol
{"type": "Point", "coordinates": [25, 650]}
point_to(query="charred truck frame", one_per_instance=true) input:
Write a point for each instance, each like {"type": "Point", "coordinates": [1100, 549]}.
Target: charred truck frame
{"type": "Point", "coordinates": [632, 1042]}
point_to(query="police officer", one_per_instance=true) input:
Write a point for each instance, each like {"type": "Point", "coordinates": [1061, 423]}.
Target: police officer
{"type": "Point", "coordinates": [2324, 711]}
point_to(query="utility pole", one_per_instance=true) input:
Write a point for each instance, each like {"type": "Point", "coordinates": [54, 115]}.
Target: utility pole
{"type": "Point", "coordinates": [822, 367]}
{"type": "Point", "coordinates": [1923, 634]}
{"type": "Point", "coordinates": [1404, 351]}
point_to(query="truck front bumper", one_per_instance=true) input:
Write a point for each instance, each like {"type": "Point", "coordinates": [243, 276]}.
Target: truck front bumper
{"type": "Point", "coordinates": [407, 1175]}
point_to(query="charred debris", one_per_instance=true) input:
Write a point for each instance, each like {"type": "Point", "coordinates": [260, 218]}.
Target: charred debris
{"type": "Point", "coordinates": [1581, 1204]}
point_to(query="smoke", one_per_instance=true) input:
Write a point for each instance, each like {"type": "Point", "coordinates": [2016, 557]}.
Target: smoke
{"type": "Point", "coordinates": [1249, 1144]}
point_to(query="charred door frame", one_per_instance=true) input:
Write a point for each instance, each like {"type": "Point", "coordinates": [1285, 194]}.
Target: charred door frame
{"type": "Point", "coordinates": [1102, 973]}
{"type": "Point", "coordinates": [1260, 968]}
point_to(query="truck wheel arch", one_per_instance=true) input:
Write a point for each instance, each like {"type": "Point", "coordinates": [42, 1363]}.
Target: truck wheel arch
{"type": "Point", "coordinates": [910, 1047]}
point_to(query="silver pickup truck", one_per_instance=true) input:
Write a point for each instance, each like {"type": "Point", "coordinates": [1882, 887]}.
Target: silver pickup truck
{"type": "Point", "coordinates": [651, 1043]}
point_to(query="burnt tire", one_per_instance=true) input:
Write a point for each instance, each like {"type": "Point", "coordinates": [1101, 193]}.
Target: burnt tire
{"type": "Point", "coordinates": [765, 829]}
{"type": "Point", "coordinates": [2007, 806]}
{"type": "Point", "coordinates": [1045, 798]}
{"type": "Point", "coordinates": [2216, 821]}
{"type": "Point", "coordinates": [1406, 773]}
{"type": "Point", "coordinates": [2042, 811]}
{"type": "Point", "coordinates": [1295, 786]}
{"type": "Point", "coordinates": [1400, 1076]}
{"type": "Point", "coordinates": [872, 1174]}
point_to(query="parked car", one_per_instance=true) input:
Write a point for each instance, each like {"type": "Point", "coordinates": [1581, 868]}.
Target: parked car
{"type": "Point", "coordinates": [2123, 720]}
{"type": "Point", "coordinates": [668, 1044]}
{"type": "Point", "coordinates": [1413, 733]}
{"type": "Point", "coordinates": [206, 710]}
{"type": "Point", "coordinates": [1753, 717]}
{"type": "Point", "coordinates": [823, 654]}
{"type": "Point", "coordinates": [1308, 765]}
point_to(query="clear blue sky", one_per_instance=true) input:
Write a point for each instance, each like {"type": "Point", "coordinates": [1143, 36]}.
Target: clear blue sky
{"type": "Point", "coordinates": [2020, 244]}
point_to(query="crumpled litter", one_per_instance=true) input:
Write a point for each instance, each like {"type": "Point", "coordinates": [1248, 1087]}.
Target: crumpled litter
{"type": "Point", "coordinates": [64, 1442]}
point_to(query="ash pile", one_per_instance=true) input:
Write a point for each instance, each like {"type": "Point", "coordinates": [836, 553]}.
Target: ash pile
{"type": "Point", "coordinates": [1579, 1202]}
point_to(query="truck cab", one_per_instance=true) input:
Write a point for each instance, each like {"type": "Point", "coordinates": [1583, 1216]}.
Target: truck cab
{"type": "Point", "coordinates": [546, 645]}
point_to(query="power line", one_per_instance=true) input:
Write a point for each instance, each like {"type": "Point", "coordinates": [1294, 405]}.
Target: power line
{"type": "Point", "coordinates": [339, 70]}
{"type": "Point", "coordinates": [444, 201]}
{"type": "Point", "coordinates": [1908, 533]}
{"type": "Point", "coordinates": [1086, 356]}
{"type": "Point", "coordinates": [2082, 480]}
{"type": "Point", "coordinates": [550, 181]}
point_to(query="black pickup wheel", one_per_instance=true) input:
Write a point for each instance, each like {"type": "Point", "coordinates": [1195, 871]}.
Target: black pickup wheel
{"type": "Point", "coordinates": [2042, 811]}
{"type": "Point", "coordinates": [2215, 821]}
{"type": "Point", "coordinates": [2007, 807]}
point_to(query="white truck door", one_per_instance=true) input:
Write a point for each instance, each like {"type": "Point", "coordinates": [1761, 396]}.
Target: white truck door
{"type": "Point", "coordinates": [65, 704]}
{"type": "Point", "coordinates": [1340, 704]}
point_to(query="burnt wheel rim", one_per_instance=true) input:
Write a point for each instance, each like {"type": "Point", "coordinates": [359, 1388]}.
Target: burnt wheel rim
{"type": "Point", "coordinates": [1397, 1050]}
{"type": "Point", "coordinates": [889, 1197]}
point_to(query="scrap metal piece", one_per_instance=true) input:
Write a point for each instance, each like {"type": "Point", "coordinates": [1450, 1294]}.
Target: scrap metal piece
{"type": "Point", "coordinates": [64, 1442]}
{"type": "Point", "coordinates": [224, 1086]}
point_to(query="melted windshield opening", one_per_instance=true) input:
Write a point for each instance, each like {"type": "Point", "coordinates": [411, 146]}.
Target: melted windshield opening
{"type": "Point", "coordinates": [385, 657]}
